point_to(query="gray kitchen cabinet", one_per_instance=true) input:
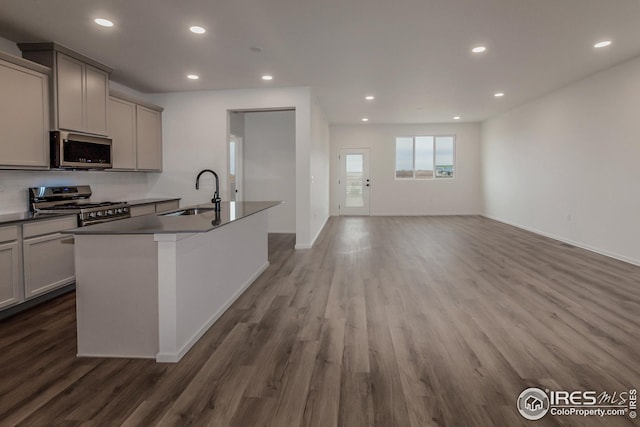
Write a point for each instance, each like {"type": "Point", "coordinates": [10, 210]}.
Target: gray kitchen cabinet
{"type": "Point", "coordinates": [79, 89]}
{"type": "Point", "coordinates": [48, 256]}
{"type": "Point", "coordinates": [149, 139]}
{"type": "Point", "coordinates": [171, 205]}
{"type": "Point", "coordinates": [142, 210]}
{"type": "Point", "coordinates": [122, 130]}
{"type": "Point", "coordinates": [135, 128]}
{"type": "Point", "coordinates": [24, 116]}
{"type": "Point", "coordinates": [71, 93]}
{"type": "Point", "coordinates": [154, 207]}
{"type": "Point", "coordinates": [10, 267]}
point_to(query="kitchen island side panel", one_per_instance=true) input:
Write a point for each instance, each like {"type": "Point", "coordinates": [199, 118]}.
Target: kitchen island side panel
{"type": "Point", "coordinates": [117, 295]}
{"type": "Point", "coordinates": [212, 270]}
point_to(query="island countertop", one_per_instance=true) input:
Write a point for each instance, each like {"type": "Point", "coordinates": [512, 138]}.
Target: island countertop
{"type": "Point", "coordinates": [166, 223]}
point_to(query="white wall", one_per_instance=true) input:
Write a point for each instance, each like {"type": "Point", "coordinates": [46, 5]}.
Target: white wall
{"type": "Point", "coordinates": [320, 169]}
{"type": "Point", "coordinates": [8, 46]}
{"type": "Point", "coordinates": [269, 164]}
{"type": "Point", "coordinates": [566, 165]}
{"type": "Point", "coordinates": [195, 127]}
{"type": "Point", "coordinates": [458, 196]}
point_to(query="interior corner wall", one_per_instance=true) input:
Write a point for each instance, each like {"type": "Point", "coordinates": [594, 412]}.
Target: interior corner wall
{"type": "Point", "coordinates": [320, 169]}
{"type": "Point", "coordinates": [566, 165]}
{"type": "Point", "coordinates": [389, 196]}
{"type": "Point", "coordinates": [269, 165]}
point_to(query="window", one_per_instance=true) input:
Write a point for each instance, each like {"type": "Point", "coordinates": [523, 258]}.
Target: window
{"type": "Point", "coordinates": [425, 157]}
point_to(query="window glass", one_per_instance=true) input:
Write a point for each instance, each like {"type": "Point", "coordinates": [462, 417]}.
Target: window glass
{"type": "Point", "coordinates": [424, 157]}
{"type": "Point", "coordinates": [404, 157]}
{"type": "Point", "coordinates": [444, 157]}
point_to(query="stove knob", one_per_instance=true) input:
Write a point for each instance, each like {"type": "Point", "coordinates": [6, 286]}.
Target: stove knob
{"type": "Point", "coordinates": [110, 212]}
{"type": "Point", "coordinates": [99, 213]}
{"type": "Point", "coordinates": [92, 214]}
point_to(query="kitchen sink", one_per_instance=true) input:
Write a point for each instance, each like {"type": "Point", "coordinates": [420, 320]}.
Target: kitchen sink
{"type": "Point", "coordinates": [190, 211]}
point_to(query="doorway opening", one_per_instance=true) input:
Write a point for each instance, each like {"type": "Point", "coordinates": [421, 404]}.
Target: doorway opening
{"type": "Point", "coordinates": [262, 162]}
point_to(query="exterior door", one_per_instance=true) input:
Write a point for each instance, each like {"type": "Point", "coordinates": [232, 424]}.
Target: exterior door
{"type": "Point", "coordinates": [355, 183]}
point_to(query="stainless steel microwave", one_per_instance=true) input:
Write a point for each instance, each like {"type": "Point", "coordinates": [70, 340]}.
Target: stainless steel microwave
{"type": "Point", "coordinates": [78, 151]}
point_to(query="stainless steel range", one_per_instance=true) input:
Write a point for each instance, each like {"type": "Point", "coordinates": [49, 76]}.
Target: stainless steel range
{"type": "Point", "coordinates": [76, 199]}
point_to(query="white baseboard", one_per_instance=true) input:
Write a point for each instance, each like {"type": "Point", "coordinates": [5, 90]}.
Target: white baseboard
{"type": "Point", "coordinates": [175, 357]}
{"type": "Point", "coordinates": [114, 356]}
{"type": "Point", "coordinates": [568, 241]}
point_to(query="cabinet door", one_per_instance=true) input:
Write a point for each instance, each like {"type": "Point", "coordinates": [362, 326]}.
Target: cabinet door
{"type": "Point", "coordinates": [97, 94]}
{"type": "Point", "coordinates": [24, 117]}
{"type": "Point", "coordinates": [167, 206]}
{"type": "Point", "coordinates": [142, 210]}
{"type": "Point", "coordinates": [9, 274]}
{"type": "Point", "coordinates": [149, 139]}
{"type": "Point", "coordinates": [48, 263]}
{"type": "Point", "coordinates": [122, 130]}
{"type": "Point", "coordinates": [70, 92]}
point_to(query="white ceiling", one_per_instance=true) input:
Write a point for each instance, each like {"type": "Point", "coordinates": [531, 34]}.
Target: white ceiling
{"type": "Point", "coordinates": [413, 55]}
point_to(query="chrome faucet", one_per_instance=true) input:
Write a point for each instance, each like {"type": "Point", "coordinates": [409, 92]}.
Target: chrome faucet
{"type": "Point", "coordinates": [216, 196]}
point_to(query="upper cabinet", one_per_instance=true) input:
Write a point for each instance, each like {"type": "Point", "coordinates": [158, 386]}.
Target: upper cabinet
{"type": "Point", "coordinates": [24, 114]}
{"type": "Point", "coordinates": [149, 136]}
{"type": "Point", "coordinates": [122, 129]}
{"type": "Point", "coordinates": [135, 128]}
{"type": "Point", "coordinates": [80, 89]}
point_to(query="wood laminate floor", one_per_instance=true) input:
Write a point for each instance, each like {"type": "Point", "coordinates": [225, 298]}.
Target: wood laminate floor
{"type": "Point", "coordinates": [387, 321]}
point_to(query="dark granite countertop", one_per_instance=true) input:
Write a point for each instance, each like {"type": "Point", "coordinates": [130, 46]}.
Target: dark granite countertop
{"type": "Point", "coordinates": [151, 201]}
{"type": "Point", "coordinates": [169, 224]}
{"type": "Point", "coordinates": [16, 218]}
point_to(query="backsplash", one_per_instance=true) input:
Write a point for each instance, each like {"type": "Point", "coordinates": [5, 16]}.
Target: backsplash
{"type": "Point", "coordinates": [106, 186]}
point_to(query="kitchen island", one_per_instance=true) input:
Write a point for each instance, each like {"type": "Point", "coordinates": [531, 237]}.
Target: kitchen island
{"type": "Point", "coordinates": [151, 286]}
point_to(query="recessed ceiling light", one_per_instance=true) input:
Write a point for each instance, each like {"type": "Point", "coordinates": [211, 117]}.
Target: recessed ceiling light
{"type": "Point", "coordinates": [456, 118]}
{"type": "Point", "coordinates": [364, 119]}
{"type": "Point", "coordinates": [267, 77]}
{"type": "Point", "coordinates": [498, 94]}
{"type": "Point", "coordinates": [103, 22]}
{"type": "Point", "coordinates": [478, 49]}
{"type": "Point", "coordinates": [603, 43]}
{"type": "Point", "coordinates": [193, 76]}
{"type": "Point", "coordinates": [369, 97]}
{"type": "Point", "coordinates": [197, 30]}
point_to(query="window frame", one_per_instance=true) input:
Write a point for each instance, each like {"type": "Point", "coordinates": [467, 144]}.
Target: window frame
{"type": "Point", "coordinates": [434, 177]}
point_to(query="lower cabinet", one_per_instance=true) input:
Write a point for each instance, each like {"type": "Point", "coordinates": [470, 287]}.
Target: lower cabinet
{"type": "Point", "coordinates": [10, 268]}
{"type": "Point", "coordinates": [170, 205]}
{"type": "Point", "coordinates": [47, 255]}
{"type": "Point", "coordinates": [48, 263]}
{"type": "Point", "coordinates": [142, 210]}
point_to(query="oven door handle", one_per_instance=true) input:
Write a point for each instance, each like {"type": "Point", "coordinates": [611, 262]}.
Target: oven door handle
{"type": "Point", "coordinates": [100, 221]}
